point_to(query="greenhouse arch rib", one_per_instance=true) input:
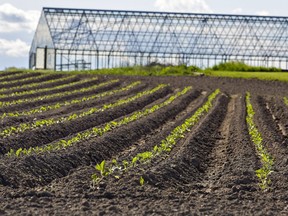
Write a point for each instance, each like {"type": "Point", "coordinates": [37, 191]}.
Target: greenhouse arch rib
{"type": "Point", "coordinates": [78, 39]}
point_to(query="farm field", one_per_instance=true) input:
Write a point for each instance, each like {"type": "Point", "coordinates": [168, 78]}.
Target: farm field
{"type": "Point", "coordinates": [162, 145]}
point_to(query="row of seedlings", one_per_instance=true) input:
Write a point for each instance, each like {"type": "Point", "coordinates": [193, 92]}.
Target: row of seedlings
{"type": "Point", "coordinates": [266, 159]}
{"type": "Point", "coordinates": [25, 87]}
{"type": "Point", "coordinates": [16, 76]}
{"type": "Point", "coordinates": [59, 105]}
{"type": "Point", "coordinates": [116, 168]}
{"type": "Point", "coordinates": [35, 76]}
{"type": "Point", "coordinates": [59, 87]}
{"type": "Point", "coordinates": [8, 131]}
{"type": "Point", "coordinates": [55, 95]}
{"type": "Point", "coordinates": [98, 131]}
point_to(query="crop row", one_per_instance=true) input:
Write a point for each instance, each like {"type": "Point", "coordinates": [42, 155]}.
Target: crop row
{"type": "Point", "coordinates": [47, 122]}
{"type": "Point", "coordinates": [97, 131]}
{"type": "Point", "coordinates": [59, 105]}
{"type": "Point", "coordinates": [23, 80]}
{"type": "Point", "coordinates": [59, 87]}
{"type": "Point", "coordinates": [116, 168]}
{"type": "Point", "coordinates": [55, 95]}
{"type": "Point", "coordinates": [34, 85]}
{"type": "Point", "coordinates": [266, 160]}
{"type": "Point", "coordinates": [10, 76]}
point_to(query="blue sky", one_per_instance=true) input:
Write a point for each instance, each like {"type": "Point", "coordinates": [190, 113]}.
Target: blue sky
{"type": "Point", "coordinates": [18, 18]}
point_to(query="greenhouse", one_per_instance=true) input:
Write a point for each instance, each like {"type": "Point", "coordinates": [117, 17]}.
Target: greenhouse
{"type": "Point", "coordinates": [80, 39]}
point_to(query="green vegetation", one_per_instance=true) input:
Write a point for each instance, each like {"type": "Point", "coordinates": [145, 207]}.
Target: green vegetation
{"type": "Point", "coordinates": [32, 78]}
{"type": "Point", "coordinates": [233, 69]}
{"type": "Point", "coordinates": [241, 66]}
{"type": "Point", "coordinates": [97, 131]}
{"type": "Point", "coordinates": [236, 69]}
{"type": "Point", "coordinates": [8, 131]}
{"type": "Point", "coordinates": [141, 181]}
{"type": "Point", "coordinates": [286, 100]}
{"type": "Point", "coordinates": [165, 145]}
{"type": "Point", "coordinates": [33, 91]}
{"type": "Point", "coordinates": [59, 105]}
{"type": "Point", "coordinates": [10, 76]}
{"type": "Point", "coordinates": [266, 160]}
{"type": "Point", "coordinates": [56, 95]}
{"type": "Point", "coordinates": [154, 69]}
{"type": "Point", "coordinates": [276, 76]}
{"type": "Point", "coordinates": [35, 84]}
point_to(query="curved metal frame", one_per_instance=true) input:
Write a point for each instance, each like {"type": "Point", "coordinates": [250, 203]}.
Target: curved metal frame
{"type": "Point", "coordinates": [88, 39]}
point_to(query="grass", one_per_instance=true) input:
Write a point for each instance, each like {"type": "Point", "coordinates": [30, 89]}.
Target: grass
{"type": "Point", "coordinates": [276, 76]}
{"type": "Point", "coordinates": [155, 70]}
{"type": "Point", "coordinates": [229, 69]}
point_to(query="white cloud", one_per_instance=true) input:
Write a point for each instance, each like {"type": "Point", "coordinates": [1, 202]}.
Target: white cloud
{"type": "Point", "coordinates": [13, 19]}
{"type": "Point", "coordinates": [191, 6]}
{"type": "Point", "coordinates": [13, 48]}
{"type": "Point", "coordinates": [263, 13]}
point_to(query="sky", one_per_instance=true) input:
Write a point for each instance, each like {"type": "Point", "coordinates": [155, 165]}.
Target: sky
{"type": "Point", "coordinates": [18, 18]}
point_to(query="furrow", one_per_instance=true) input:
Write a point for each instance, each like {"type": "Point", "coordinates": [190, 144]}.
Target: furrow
{"type": "Point", "coordinates": [55, 89]}
{"type": "Point", "coordinates": [150, 140]}
{"type": "Point", "coordinates": [25, 79]}
{"type": "Point", "coordinates": [75, 91]}
{"type": "Point", "coordinates": [53, 81]}
{"type": "Point", "coordinates": [39, 137]}
{"type": "Point", "coordinates": [16, 77]}
{"type": "Point", "coordinates": [55, 165]}
{"type": "Point", "coordinates": [275, 143]}
{"type": "Point", "coordinates": [65, 107]}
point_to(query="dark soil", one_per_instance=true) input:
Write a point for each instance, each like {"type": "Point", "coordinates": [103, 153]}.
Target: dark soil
{"type": "Point", "coordinates": [209, 172]}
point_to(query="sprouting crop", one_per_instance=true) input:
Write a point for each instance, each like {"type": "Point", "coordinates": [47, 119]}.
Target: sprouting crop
{"type": "Point", "coordinates": [286, 100]}
{"type": "Point", "coordinates": [36, 84]}
{"type": "Point", "coordinates": [141, 181]}
{"type": "Point", "coordinates": [22, 80]}
{"type": "Point", "coordinates": [58, 105]}
{"type": "Point", "coordinates": [33, 91]}
{"type": "Point", "coordinates": [47, 122]}
{"type": "Point", "coordinates": [266, 160]}
{"type": "Point", "coordinates": [56, 95]}
{"type": "Point", "coordinates": [166, 145]}
{"type": "Point", "coordinates": [12, 76]}
{"type": "Point", "coordinates": [98, 131]}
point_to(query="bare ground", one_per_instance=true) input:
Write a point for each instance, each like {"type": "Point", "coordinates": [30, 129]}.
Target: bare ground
{"type": "Point", "coordinates": [209, 172]}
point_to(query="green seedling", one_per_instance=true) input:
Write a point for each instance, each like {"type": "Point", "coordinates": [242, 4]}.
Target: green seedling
{"type": "Point", "coordinates": [141, 181]}
{"type": "Point", "coordinates": [47, 122]}
{"type": "Point", "coordinates": [167, 144]}
{"type": "Point", "coordinates": [266, 160]}
{"type": "Point", "coordinates": [18, 152]}
{"type": "Point", "coordinates": [101, 167]}
{"type": "Point", "coordinates": [286, 100]}
{"type": "Point", "coordinates": [134, 161]}
{"type": "Point", "coordinates": [125, 164]}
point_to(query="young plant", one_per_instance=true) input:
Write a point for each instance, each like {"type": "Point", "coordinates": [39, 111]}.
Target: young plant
{"type": "Point", "coordinates": [47, 122]}
{"type": "Point", "coordinates": [95, 132]}
{"type": "Point", "coordinates": [102, 168]}
{"type": "Point", "coordinates": [167, 144]}
{"type": "Point", "coordinates": [55, 95]}
{"type": "Point", "coordinates": [286, 100]}
{"type": "Point", "coordinates": [266, 160]}
{"type": "Point", "coordinates": [141, 181]}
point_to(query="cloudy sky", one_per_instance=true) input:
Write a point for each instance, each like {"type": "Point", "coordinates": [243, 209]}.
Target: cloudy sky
{"type": "Point", "coordinates": [18, 18]}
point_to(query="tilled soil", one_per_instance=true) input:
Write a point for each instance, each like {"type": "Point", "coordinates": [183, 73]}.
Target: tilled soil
{"type": "Point", "coordinates": [210, 171]}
